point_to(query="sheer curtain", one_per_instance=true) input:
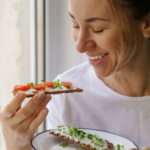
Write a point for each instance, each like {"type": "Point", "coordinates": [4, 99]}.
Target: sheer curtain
{"type": "Point", "coordinates": [60, 53]}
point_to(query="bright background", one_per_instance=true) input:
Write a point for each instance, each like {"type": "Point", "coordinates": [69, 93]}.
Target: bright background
{"type": "Point", "coordinates": [35, 44]}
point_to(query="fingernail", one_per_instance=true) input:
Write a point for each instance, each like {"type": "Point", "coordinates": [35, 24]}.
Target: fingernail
{"type": "Point", "coordinates": [40, 96]}
{"type": "Point", "coordinates": [47, 98]}
{"type": "Point", "coordinates": [22, 95]}
{"type": "Point", "coordinates": [45, 111]}
{"type": "Point", "coordinates": [49, 95]}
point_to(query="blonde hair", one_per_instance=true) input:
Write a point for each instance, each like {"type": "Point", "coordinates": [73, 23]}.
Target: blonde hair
{"type": "Point", "coordinates": [127, 13]}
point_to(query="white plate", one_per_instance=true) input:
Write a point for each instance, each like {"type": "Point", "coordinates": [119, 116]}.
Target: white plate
{"type": "Point", "coordinates": [45, 141]}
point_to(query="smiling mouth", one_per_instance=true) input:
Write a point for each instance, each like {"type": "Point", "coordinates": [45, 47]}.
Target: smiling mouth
{"type": "Point", "coordinates": [97, 57]}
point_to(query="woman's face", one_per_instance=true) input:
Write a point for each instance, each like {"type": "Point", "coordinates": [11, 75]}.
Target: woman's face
{"type": "Point", "coordinates": [96, 34]}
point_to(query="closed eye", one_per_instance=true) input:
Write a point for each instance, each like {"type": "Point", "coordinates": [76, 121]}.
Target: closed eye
{"type": "Point", "coordinates": [97, 31]}
{"type": "Point", "coordinates": [76, 27]}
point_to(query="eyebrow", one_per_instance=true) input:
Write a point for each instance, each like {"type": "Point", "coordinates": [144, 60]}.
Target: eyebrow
{"type": "Point", "coordinates": [90, 19]}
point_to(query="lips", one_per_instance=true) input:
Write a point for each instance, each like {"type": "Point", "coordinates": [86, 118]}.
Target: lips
{"type": "Point", "coordinates": [98, 59]}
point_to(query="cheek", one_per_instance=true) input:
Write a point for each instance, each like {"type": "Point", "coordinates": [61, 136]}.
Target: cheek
{"type": "Point", "coordinates": [111, 43]}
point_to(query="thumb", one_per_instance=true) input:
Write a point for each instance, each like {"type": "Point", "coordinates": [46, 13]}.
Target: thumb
{"type": "Point", "coordinates": [146, 148]}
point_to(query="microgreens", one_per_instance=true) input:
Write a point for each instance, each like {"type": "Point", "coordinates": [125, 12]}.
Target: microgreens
{"type": "Point", "coordinates": [100, 140]}
{"type": "Point", "coordinates": [67, 87]}
{"type": "Point", "coordinates": [98, 144]}
{"type": "Point", "coordinates": [57, 84]}
{"type": "Point", "coordinates": [31, 84]}
{"type": "Point", "coordinates": [68, 126]}
{"type": "Point", "coordinates": [80, 134]}
{"type": "Point", "coordinates": [36, 83]}
{"type": "Point", "coordinates": [90, 136]}
{"type": "Point", "coordinates": [42, 81]}
{"type": "Point", "coordinates": [95, 137]}
{"type": "Point", "coordinates": [119, 147]}
{"type": "Point", "coordinates": [64, 144]}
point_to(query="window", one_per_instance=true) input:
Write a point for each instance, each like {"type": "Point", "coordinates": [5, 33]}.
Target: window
{"type": "Point", "coordinates": [17, 48]}
{"type": "Point", "coordinates": [35, 44]}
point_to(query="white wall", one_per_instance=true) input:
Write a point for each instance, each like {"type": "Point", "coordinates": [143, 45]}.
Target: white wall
{"type": "Point", "coordinates": [14, 49]}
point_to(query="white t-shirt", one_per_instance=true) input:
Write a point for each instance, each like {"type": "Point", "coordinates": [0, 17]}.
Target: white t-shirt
{"type": "Point", "coordinates": [99, 107]}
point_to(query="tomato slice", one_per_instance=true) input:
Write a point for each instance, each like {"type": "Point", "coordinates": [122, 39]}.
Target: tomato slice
{"type": "Point", "coordinates": [49, 83]}
{"type": "Point", "coordinates": [23, 87]}
{"type": "Point", "coordinates": [69, 84]}
{"type": "Point", "coordinates": [39, 87]}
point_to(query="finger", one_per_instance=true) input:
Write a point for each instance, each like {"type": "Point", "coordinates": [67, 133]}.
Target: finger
{"type": "Point", "coordinates": [18, 108]}
{"type": "Point", "coordinates": [25, 124]}
{"type": "Point", "coordinates": [13, 105]}
{"type": "Point", "coordinates": [43, 104]}
{"type": "Point", "coordinates": [14, 88]}
{"type": "Point", "coordinates": [38, 120]}
{"type": "Point", "coordinates": [29, 107]}
{"type": "Point", "coordinates": [146, 148]}
{"type": "Point", "coordinates": [35, 113]}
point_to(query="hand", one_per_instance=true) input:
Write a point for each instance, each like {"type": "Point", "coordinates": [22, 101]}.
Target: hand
{"type": "Point", "coordinates": [19, 124]}
{"type": "Point", "coordinates": [144, 148]}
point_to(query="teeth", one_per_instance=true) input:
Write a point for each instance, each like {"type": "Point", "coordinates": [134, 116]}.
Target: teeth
{"type": "Point", "coordinates": [97, 57]}
{"type": "Point", "coordinates": [93, 58]}
{"type": "Point", "coordinates": [100, 56]}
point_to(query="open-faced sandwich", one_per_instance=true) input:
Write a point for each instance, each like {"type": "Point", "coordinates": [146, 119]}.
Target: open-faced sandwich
{"type": "Point", "coordinates": [86, 140]}
{"type": "Point", "coordinates": [49, 87]}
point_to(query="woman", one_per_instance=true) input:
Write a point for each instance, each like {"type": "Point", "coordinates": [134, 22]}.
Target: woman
{"type": "Point", "coordinates": [114, 34]}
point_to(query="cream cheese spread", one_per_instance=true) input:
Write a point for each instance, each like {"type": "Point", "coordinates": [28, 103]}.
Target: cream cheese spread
{"type": "Point", "coordinates": [31, 91]}
{"type": "Point", "coordinates": [58, 89]}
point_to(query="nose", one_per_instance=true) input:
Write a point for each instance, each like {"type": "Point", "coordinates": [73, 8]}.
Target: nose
{"type": "Point", "coordinates": [84, 42]}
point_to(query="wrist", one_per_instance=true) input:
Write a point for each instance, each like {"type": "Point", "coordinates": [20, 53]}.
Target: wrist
{"type": "Point", "coordinates": [28, 147]}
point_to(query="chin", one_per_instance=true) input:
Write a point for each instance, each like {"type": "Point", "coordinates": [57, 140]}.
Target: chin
{"type": "Point", "coordinates": [102, 73]}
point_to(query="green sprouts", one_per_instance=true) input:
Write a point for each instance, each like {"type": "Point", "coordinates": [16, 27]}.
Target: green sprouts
{"type": "Point", "coordinates": [120, 147]}
{"type": "Point", "coordinates": [57, 84]}
{"type": "Point", "coordinates": [64, 145]}
{"type": "Point", "coordinates": [80, 134]}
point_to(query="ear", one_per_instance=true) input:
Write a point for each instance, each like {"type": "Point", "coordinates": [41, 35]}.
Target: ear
{"type": "Point", "coordinates": [146, 27]}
